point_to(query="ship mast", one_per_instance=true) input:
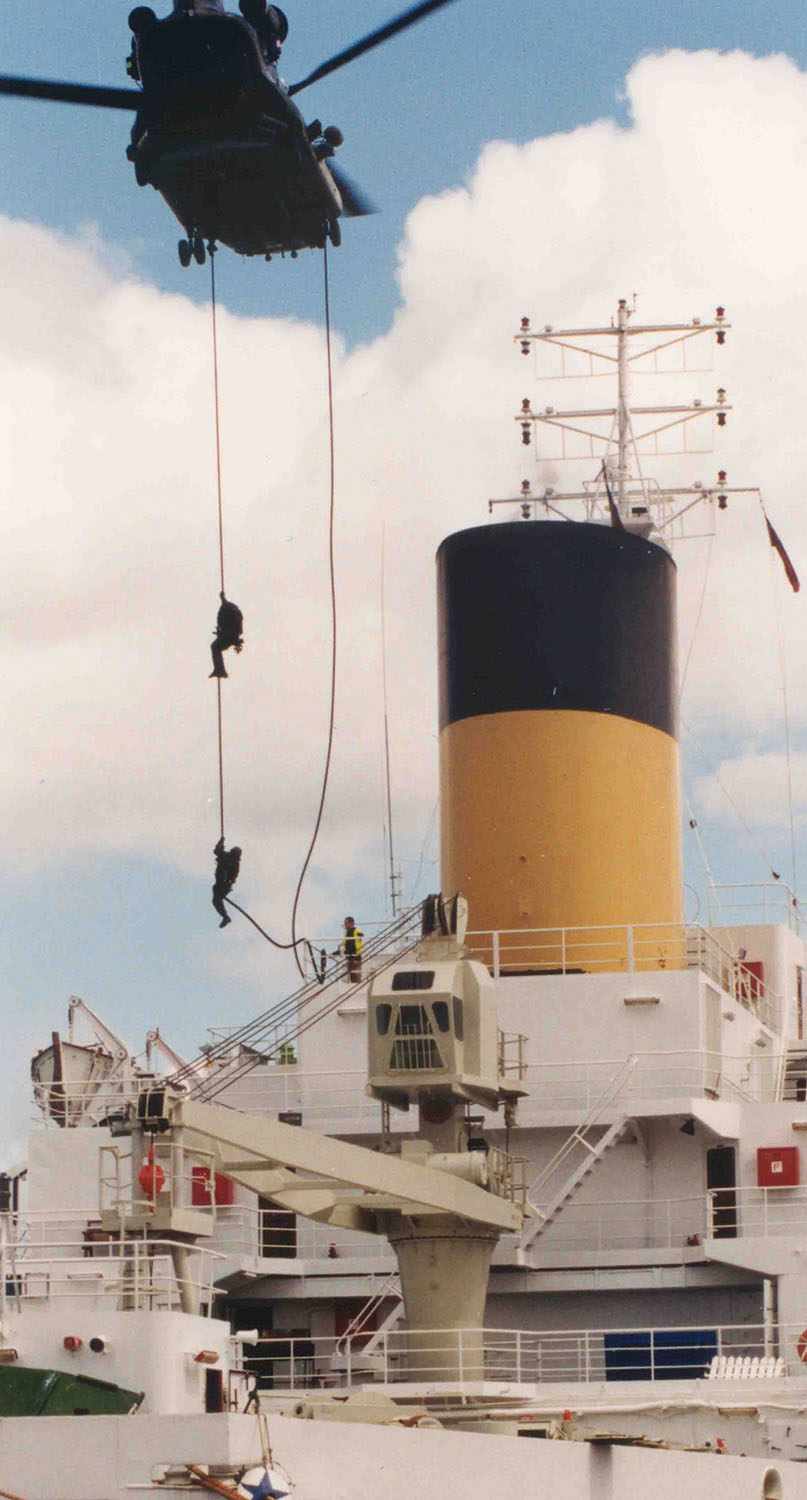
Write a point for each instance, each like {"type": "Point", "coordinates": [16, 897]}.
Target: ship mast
{"type": "Point", "coordinates": [620, 433]}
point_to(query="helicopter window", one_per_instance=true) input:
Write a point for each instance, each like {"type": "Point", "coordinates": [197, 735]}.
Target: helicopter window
{"type": "Point", "coordinates": [414, 1049]}
{"type": "Point", "coordinates": [458, 1019]}
{"type": "Point", "coordinates": [440, 1011]}
{"type": "Point", "coordinates": [413, 979]}
{"type": "Point", "coordinates": [382, 1018]}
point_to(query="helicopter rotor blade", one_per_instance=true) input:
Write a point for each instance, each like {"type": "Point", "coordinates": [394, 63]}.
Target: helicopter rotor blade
{"type": "Point", "coordinates": [373, 39]}
{"type": "Point", "coordinates": [355, 204]}
{"type": "Point", "coordinates": [71, 93]}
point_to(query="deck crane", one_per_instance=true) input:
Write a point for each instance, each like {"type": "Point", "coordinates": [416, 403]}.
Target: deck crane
{"type": "Point", "coordinates": [442, 1202]}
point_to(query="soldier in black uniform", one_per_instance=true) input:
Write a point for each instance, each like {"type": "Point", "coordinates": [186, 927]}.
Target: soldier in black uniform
{"type": "Point", "coordinates": [228, 863]}
{"type": "Point", "coordinates": [229, 632]}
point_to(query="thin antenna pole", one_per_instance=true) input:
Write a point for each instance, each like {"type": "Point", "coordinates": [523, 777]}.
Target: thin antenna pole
{"type": "Point", "coordinates": [623, 410]}
{"type": "Point", "coordinates": [392, 883]}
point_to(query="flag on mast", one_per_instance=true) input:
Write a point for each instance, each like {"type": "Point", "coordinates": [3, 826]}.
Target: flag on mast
{"type": "Point", "coordinates": [779, 546]}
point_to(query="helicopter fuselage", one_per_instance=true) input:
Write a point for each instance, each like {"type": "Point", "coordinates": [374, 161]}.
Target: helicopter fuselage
{"type": "Point", "coordinates": [217, 132]}
{"type": "Point", "coordinates": [219, 137]}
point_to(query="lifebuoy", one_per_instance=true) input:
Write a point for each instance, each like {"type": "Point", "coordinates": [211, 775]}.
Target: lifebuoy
{"type": "Point", "coordinates": [801, 1346]}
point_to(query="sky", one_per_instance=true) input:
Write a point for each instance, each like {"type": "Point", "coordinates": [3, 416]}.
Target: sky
{"type": "Point", "coordinates": [525, 162]}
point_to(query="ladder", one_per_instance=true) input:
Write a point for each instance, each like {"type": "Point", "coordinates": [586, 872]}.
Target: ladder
{"type": "Point", "coordinates": [586, 1151]}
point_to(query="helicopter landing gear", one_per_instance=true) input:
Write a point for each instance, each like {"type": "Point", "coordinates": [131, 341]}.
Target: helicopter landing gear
{"type": "Point", "coordinates": [198, 250]}
{"type": "Point", "coordinates": [334, 232]}
{"type": "Point", "coordinates": [184, 251]}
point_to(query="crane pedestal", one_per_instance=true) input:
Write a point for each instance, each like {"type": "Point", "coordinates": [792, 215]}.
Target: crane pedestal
{"type": "Point", "coordinates": [444, 1266]}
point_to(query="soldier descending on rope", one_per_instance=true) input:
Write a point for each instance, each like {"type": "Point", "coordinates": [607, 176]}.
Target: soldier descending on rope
{"type": "Point", "coordinates": [229, 632]}
{"type": "Point", "coordinates": [228, 863]}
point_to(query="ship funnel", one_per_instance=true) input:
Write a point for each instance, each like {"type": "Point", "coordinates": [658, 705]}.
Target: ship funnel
{"type": "Point", "coordinates": [559, 767]}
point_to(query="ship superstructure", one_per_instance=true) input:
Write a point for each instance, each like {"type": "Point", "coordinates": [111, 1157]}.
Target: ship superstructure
{"type": "Point", "coordinates": [538, 1172]}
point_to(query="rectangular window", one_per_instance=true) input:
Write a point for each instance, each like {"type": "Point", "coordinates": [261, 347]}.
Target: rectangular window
{"type": "Point", "coordinates": [413, 979]}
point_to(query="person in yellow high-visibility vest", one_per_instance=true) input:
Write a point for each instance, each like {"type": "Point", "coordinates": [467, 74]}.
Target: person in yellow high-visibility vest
{"type": "Point", "coordinates": [351, 946]}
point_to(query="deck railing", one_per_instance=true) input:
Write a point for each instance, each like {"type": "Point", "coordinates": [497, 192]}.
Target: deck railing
{"type": "Point", "coordinates": [627, 949]}
{"type": "Point", "coordinates": [291, 1363]}
{"type": "Point", "coordinates": [40, 1263]}
{"type": "Point", "coordinates": [576, 1086]}
{"type": "Point", "coordinates": [335, 1100]}
{"type": "Point", "coordinates": [63, 1253]}
{"type": "Point", "coordinates": [755, 905]}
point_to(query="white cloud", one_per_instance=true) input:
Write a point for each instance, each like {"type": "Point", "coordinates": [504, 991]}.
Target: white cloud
{"type": "Point", "coordinates": [106, 427]}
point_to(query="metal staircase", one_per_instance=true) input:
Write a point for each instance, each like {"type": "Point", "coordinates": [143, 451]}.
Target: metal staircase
{"type": "Point", "coordinates": [368, 1357]}
{"type": "Point", "coordinates": [584, 1149]}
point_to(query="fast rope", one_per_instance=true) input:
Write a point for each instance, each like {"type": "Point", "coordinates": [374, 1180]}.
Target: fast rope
{"type": "Point", "coordinates": [212, 250]}
{"type": "Point", "coordinates": [332, 579]}
{"type": "Point", "coordinates": [299, 943]}
{"type": "Point", "coordinates": [295, 941]}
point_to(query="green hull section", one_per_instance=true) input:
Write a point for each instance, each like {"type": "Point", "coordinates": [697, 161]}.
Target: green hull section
{"type": "Point", "coordinates": [53, 1393]}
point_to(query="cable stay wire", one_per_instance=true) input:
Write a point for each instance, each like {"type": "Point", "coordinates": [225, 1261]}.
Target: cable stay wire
{"type": "Point", "coordinates": [395, 933]}
{"type": "Point", "coordinates": [756, 843]}
{"type": "Point", "coordinates": [713, 771]}
{"type": "Point", "coordinates": [207, 1089]}
{"type": "Point", "coordinates": [782, 661]}
{"type": "Point", "coordinates": [698, 616]}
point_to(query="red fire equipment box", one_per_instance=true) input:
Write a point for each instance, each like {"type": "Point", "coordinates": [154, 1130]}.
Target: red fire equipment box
{"type": "Point", "coordinates": [200, 1189]}
{"type": "Point", "coordinates": [777, 1166]}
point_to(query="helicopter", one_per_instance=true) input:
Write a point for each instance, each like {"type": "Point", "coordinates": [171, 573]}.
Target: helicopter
{"type": "Point", "coordinates": [216, 130]}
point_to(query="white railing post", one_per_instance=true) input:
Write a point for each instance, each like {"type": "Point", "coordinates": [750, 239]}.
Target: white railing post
{"type": "Point", "coordinates": [3, 1273]}
{"type": "Point", "coordinates": [496, 955]}
{"type": "Point", "coordinates": [563, 950]}
{"type": "Point", "coordinates": [631, 955]}
{"type": "Point", "coordinates": [518, 1355]}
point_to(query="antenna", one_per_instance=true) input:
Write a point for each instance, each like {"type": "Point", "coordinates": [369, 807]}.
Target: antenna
{"type": "Point", "coordinates": [394, 876]}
